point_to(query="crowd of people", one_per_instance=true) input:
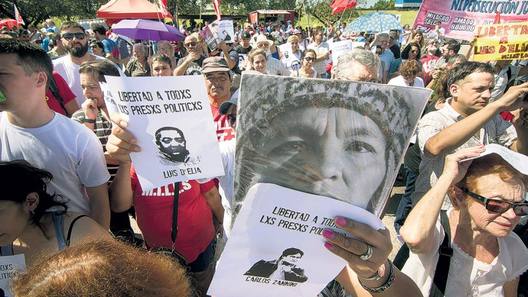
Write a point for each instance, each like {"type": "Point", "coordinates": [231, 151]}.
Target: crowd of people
{"type": "Point", "coordinates": [72, 187]}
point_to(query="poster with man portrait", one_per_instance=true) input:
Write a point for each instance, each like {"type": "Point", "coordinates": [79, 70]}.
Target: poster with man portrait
{"type": "Point", "coordinates": [172, 121]}
{"type": "Point", "coordinates": [308, 150]}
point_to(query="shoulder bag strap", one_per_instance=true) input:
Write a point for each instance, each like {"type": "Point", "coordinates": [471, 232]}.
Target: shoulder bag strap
{"type": "Point", "coordinates": [174, 230]}
{"type": "Point", "coordinates": [70, 229]}
{"type": "Point", "coordinates": [444, 260]}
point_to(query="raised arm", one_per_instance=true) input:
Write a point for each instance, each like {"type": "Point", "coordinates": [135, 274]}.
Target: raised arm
{"type": "Point", "coordinates": [458, 133]}
{"type": "Point", "coordinates": [418, 229]}
{"type": "Point", "coordinates": [119, 146]}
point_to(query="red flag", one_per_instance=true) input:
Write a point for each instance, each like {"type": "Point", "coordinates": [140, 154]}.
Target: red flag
{"type": "Point", "coordinates": [341, 5]}
{"type": "Point", "coordinates": [18, 17]}
{"type": "Point", "coordinates": [216, 4]}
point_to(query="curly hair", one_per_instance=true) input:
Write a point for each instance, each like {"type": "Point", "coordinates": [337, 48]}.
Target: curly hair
{"type": "Point", "coordinates": [410, 68]}
{"type": "Point", "coordinates": [103, 269]}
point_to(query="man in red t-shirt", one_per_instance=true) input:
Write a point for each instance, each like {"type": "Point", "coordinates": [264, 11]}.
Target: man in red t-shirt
{"type": "Point", "coordinates": [218, 84]}
{"type": "Point", "coordinates": [198, 202]}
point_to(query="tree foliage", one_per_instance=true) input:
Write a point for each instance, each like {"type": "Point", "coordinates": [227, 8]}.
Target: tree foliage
{"type": "Point", "coordinates": [35, 12]}
{"type": "Point", "coordinates": [322, 11]}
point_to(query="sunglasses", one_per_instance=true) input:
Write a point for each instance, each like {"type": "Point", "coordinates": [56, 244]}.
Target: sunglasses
{"type": "Point", "coordinates": [70, 36]}
{"type": "Point", "coordinates": [309, 59]}
{"type": "Point", "coordinates": [499, 206]}
{"type": "Point", "coordinates": [178, 140]}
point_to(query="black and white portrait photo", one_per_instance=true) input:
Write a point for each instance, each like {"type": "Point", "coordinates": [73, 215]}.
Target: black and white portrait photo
{"type": "Point", "coordinates": [172, 145]}
{"type": "Point", "coordinates": [284, 268]}
{"type": "Point", "coordinates": [339, 139]}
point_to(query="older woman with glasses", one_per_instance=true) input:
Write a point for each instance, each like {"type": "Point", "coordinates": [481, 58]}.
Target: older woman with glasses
{"type": "Point", "coordinates": [488, 197]}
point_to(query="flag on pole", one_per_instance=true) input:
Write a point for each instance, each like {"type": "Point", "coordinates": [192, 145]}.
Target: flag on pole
{"type": "Point", "coordinates": [18, 17]}
{"type": "Point", "coordinates": [341, 5]}
{"type": "Point", "coordinates": [216, 4]}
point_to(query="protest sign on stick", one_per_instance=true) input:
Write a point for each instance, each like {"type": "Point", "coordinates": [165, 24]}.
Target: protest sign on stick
{"type": "Point", "coordinates": [172, 121]}
{"type": "Point", "coordinates": [310, 146]}
{"type": "Point", "coordinates": [459, 18]}
{"type": "Point", "coordinates": [501, 42]}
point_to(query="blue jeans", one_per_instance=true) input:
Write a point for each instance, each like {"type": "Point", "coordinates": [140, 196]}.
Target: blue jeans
{"type": "Point", "coordinates": [405, 206]}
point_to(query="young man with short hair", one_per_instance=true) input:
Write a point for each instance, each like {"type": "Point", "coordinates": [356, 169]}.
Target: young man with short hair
{"type": "Point", "coordinates": [469, 119]}
{"type": "Point", "coordinates": [30, 130]}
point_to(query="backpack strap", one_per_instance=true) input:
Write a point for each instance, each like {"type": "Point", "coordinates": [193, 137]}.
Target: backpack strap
{"type": "Point", "coordinates": [70, 229]}
{"type": "Point", "coordinates": [174, 229]}
{"type": "Point", "coordinates": [444, 260]}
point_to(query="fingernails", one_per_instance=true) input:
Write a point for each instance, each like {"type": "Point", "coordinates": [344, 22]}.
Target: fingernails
{"type": "Point", "coordinates": [328, 234]}
{"type": "Point", "coordinates": [137, 148]}
{"type": "Point", "coordinates": [340, 221]}
{"type": "Point", "coordinates": [328, 245]}
{"type": "Point", "coordinates": [123, 124]}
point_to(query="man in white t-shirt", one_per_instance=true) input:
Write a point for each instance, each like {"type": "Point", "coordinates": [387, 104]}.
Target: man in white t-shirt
{"type": "Point", "coordinates": [75, 40]}
{"type": "Point", "coordinates": [31, 131]}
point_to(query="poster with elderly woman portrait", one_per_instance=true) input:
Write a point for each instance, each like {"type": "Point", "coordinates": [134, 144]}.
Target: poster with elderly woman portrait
{"type": "Point", "coordinates": [339, 139]}
{"type": "Point", "coordinates": [309, 150]}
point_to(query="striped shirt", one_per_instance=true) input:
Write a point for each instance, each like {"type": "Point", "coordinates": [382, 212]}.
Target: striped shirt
{"type": "Point", "coordinates": [102, 129]}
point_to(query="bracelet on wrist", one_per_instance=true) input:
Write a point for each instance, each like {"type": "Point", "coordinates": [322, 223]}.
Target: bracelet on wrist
{"type": "Point", "coordinates": [386, 285]}
{"type": "Point", "coordinates": [89, 121]}
{"type": "Point", "coordinates": [377, 276]}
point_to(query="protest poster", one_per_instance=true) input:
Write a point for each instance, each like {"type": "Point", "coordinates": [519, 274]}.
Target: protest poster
{"type": "Point", "coordinates": [280, 137]}
{"type": "Point", "coordinates": [277, 249]}
{"type": "Point", "coordinates": [209, 38]}
{"type": "Point", "coordinates": [459, 18]}
{"type": "Point", "coordinates": [501, 42]}
{"type": "Point", "coordinates": [172, 121]}
{"type": "Point", "coordinates": [217, 32]}
{"type": "Point", "coordinates": [224, 30]}
{"type": "Point", "coordinates": [339, 48]}
{"type": "Point", "coordinates": [9, 267]}
{"type": "Point", "coordinates": [313, 148]}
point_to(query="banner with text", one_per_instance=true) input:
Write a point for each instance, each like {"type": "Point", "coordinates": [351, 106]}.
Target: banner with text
{"type": "Point", "coordinates": [460, 18]}
{"type": "Point", "coordinates": [172, 121]}
{"type": "Point", "coordinates": [501, 42]}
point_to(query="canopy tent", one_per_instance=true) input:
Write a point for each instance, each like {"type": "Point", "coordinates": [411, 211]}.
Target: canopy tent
{"type": "Point", "coordinates": [116, 10]}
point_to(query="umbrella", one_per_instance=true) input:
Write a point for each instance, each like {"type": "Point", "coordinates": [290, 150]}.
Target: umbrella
{"type": "Point", "coordinates": [9, 23]}
{"type": "Point", "coordinates": [374, 22]}
{"type": "Point", "coordinates": [147, 30]}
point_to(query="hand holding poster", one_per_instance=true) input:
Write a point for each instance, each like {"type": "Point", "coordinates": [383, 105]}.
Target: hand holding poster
{"type": "Point", "coordinates": [172, 121]}
{"type": "Point", "coordinates": [342, 140]}
{"type": "Point", "coordinates": [277, 248]}
{"type": "Point", "coordinates": [501, 42]}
